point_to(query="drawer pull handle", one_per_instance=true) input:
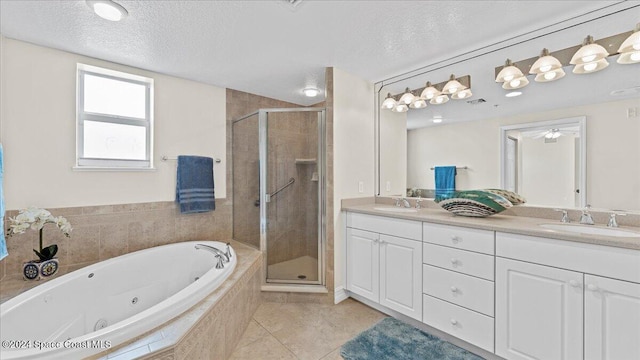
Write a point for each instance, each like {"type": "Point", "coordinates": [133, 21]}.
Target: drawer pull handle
{"type": "Point", "coordinates": [454, 289]}
{"type": "Point", "coordinates": [592, 287]}
{"type": "Point", "coordinates": [455, 239]}
{"type": "Point", "coordinates": [375, 241]}
{"type": "Point", "coordinates": [454, 261]}
{"type": "Point", "coordinates": [454, 322]}
{"type": "Point", "coordinates": [574, 283]}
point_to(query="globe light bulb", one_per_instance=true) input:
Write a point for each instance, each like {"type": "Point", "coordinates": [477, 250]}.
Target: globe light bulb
{"type": "Point", "coordinates": [550, 75]}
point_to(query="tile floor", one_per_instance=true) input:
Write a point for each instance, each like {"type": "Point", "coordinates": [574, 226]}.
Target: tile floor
{"type": "Point", "coordinates": [303, 331]}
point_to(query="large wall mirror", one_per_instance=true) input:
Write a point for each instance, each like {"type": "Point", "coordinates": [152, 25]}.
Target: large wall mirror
{"type": "Point", "coordinates": [596, 150]}
{"type": "Point", "coordinates": [545, 161]}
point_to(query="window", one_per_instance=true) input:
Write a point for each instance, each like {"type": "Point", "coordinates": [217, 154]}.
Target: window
{"type": "Point", "coordinates": [115, 119]}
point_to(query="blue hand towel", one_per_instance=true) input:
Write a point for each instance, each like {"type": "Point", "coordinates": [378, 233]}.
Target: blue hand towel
{"type": "Point", "coordinates": [445, 181]}
{"type": "Point", "coordinates": [194, 186]}
{"type": "Point", "coordinates": [3, 241]}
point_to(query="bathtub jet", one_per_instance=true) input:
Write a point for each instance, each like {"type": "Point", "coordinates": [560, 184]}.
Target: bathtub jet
{"type": "Point", "coordinates": [109, 303]}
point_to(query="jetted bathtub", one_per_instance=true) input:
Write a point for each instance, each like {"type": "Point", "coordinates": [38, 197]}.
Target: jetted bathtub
{"type": "Point", "coordinates": [106, 304]}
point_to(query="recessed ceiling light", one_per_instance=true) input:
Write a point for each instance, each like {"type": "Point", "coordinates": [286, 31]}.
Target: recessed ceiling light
{"type": "Point", "coordinates": [437, 120]}
{"type": "Point", "coordinates": [311, 92]}
{"type": "Point", "coordinates": [108, 9]}
{"type": "Point", "coordinates": [513, 94]}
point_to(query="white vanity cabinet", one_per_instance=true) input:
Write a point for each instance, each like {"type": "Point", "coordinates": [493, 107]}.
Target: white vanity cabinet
{"type": "Point", "coordinates": [384, 259]}
{"type": "Point", "coordinates": [565, 300]}
{"type": "Point", "coordinates": [458, 287]}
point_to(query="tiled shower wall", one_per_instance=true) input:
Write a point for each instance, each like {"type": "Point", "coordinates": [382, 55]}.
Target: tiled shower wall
{"type": "Point", "coordinates": [293, 213]}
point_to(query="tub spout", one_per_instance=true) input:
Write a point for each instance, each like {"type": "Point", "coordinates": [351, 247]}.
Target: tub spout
{"type": "Point", "coordinates": [215, 251]}
{"type": "Point", "coordinates": [220, 262]}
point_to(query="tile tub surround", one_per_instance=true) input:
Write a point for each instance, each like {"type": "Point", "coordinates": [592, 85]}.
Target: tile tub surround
{"type": "Point", "coordinates": [209, 330]}
{"type": "Point", "coordinates": [103, 232]}
{"type": "Point", "coordinates": [513, 222]}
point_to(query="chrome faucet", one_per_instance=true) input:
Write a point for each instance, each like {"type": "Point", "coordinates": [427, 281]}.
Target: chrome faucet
{"type": "Point", "coordinates": [586, 217]}
{"type": "Point", "coordinates": [565, 215]}
{"type": "Point", "coordinates": [220, 255]}
{"type": "Point", "coordinates": [418, 201]}
{"type": "Point", "coordinates": [228, 251]}
{"type": "Point", "coordinates": [402, 202]}
{"type": "Point", "coordinates": [612, 220]}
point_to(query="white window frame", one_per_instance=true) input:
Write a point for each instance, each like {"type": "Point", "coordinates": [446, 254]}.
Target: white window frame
{"type": "Point", "coordinates": [84, 163]}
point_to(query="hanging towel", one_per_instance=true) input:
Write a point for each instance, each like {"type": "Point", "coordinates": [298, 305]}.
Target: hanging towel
{"type": "Point", "coordinates": [445, 181]}
{"type": "Point", "coordinates": [3, 241]}
{"type": "Point", "coordinates": [194, 185]}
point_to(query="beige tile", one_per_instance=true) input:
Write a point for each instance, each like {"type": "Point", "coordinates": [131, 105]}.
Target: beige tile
{"type": "Point", "coordinates": [253, 333]}
{"type": "Point", "coordinates": [311, 340]}
{"type": "Point", "coordinates": [351, 316]}
{"type": "Point", "coordinates": [265, 348]}
{"type": "Point", "coordinates": [334, 355]}
{"type": "Point", "coordinates": [277, 316]}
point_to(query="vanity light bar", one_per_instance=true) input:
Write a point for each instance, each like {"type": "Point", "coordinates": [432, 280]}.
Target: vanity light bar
{"type": "Point", "coordinates": [565, 55]}
{"type": "Point", "coordinates": [465, 81]}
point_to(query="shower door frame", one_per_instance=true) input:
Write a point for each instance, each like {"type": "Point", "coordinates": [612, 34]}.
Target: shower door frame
{"type": "Point", "coordinates": [321, 164]}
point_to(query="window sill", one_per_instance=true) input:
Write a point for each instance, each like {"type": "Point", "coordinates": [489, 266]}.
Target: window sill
{"type": "Point", "coordinates": [116, 169]}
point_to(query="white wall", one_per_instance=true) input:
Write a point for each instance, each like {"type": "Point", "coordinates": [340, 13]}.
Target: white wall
{"type": "Point", "coordinates": [38, 117]}
{"type": "Point", "coordinates": [353, 157]}
{"type": "Point", "coordinates": [473, 144]}
{"type": "Point", "coordinates": [393, 160]}
{"type": "Point", "coordinates": [548, 175]}
{"type": "Point", "coordinates": [613, 152]}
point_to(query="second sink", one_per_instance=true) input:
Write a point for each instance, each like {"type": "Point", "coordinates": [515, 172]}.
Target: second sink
{"type": "Point", "coordinates": [591, 230]}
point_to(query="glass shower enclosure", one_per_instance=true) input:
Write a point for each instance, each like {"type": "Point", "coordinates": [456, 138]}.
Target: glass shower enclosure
{"type": "Point", "coordinates": [279, 190]}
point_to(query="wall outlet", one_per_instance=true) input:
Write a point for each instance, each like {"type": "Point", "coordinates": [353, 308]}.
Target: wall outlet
{"type": "Point", "coordinates": [632, 112]}
{"type": "Point", "coordinates": [388, 185]}
{"type": "Point", "coordinates": [360, 187]}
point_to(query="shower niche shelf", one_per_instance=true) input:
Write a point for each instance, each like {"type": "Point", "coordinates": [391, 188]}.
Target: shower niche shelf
{"type": "Point", "coordinates": [306, 161]}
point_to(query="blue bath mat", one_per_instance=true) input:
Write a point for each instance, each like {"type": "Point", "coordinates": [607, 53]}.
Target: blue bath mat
{"type": "Point", "coordinates": [391, 339]}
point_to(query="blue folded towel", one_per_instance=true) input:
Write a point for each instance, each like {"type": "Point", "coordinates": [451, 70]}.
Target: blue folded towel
{"type": "Point", "coordinates": [194, 186]}
{"type": "Point", "coordinates": [445, 181]}
{"type": "Point", "coordinates": [3, 241]}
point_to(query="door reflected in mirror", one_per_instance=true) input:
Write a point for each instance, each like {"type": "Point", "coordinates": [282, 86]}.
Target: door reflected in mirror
{"type": "Point", "coordinates": [545, 161]}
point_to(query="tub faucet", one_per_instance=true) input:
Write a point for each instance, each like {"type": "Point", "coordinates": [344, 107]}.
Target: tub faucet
{"type": "Point", "coordinates": [217, 252]}
{"type": "Point", "coordinates": [586, 217]}
{"type": "Point", "coordinates": [228, 251]}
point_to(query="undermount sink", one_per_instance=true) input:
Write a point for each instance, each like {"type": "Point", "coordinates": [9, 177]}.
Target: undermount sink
{"type": "Point", "coordinates": [396, 209]}
{"type": "Point", "coordinates": [591, 230]}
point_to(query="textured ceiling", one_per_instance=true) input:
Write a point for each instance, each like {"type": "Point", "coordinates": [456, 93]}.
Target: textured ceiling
{"type": "Point", "coordinates": [274, 49]}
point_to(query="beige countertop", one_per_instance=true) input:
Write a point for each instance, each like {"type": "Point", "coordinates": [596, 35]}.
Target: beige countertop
{"type": "Point", "coordinates": [503, 223]}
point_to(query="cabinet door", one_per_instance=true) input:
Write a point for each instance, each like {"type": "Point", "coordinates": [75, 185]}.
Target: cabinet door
{"type": "Point", "coordinates": [363, 263]}
{"type": "Point", "coordinates": [612, 319]}
{"type": "Point", "coordinates": [538, 311]}
{"type": "Point", "coordinates": [401, 275]}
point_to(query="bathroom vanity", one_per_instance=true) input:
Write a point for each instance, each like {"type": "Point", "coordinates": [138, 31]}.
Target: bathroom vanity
{"type": "Point", "coordinates": [503, 284]}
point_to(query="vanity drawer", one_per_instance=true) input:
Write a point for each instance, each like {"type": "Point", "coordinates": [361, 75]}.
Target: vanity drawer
{"type": "Point", "coordinates": [462, 261]}
{"type": "Point", "coordinates": [385, 225]}
{"type": "Point", "coordinates": [467, 325]}
{"type": "Point", "coordinates": [464, 290]}
{"type": "Point", "coordinates": [459, 237]}
{"type": "Point", "coordinates": [608, 261]}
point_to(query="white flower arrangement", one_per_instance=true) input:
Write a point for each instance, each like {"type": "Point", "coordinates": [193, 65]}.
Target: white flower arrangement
{"type": "Point", "coordinates": [36, 219]}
